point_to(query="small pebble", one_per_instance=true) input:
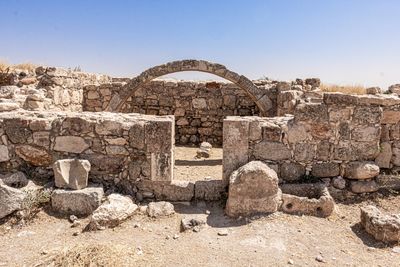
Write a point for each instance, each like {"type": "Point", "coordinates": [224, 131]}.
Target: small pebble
{"type": "Point", "coordinates": [75, 233]}
{"type": "Point", "coordinates": [223, 232]}
{"type": "Point", "coordinates": [176, 236]}
{"type": "Point", "coordinates": [73, 218]}
{"type": "Point", "coordinates": [76, 223]}
{"type": "Point", "coordinates": [136, 225]}
{"type": "Point", "coordinates": [396, 249]}
{"type": "Point", "coordinates": [196, 229]}
{"type": "Point", "coordinates": [208, 212]}
{"type": "Point", "coordinates": [290, 262]}
{"type": "Point", "coordinates": [319, 258]}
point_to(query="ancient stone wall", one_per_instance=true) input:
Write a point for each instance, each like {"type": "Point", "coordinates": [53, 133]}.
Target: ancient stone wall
{"type": "Point", "coordinates": [123, 149]}
{"type": "Point", "coordinates": [323, 140]}
{"type": "Point", "coordinates": [199, 107]}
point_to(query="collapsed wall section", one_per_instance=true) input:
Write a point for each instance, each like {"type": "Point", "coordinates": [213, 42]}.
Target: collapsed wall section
{"type": "Point", "coordinates": [123, 149]}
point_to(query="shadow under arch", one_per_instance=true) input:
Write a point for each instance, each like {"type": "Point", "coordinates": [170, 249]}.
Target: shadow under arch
{"type": "Point", "coordinates": [259, 97]}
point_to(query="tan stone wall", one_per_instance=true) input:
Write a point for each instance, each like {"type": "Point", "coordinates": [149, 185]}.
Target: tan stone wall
{"type": "Point", "coordinates": [123, 149]}
{"type": "Point", "coordinates": [319, 140]}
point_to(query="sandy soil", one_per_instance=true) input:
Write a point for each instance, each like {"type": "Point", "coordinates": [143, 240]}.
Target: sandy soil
{"type": "Point", "coordinates": [189, 168]}
{"type": "Point", "coordinates": [276, 239]}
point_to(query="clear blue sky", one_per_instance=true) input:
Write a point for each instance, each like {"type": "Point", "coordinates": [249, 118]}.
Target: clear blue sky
{"type": "Point", "coordinates": [340, 41]}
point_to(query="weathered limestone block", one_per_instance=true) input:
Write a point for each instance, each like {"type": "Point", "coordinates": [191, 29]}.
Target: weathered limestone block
{"type": "Point", "coordinates": [360, 187]}
{"type": "Point", "coordinates": [71, 144]}
{"type": "Point", "coordinates": [159, 209]}
{"type": "Point", "coordinates": [235, 145]}
{"type": "Point", "coordinates": [77, 202]}
{"type": "Point", "coordinates": [366, 133]}
{"type": "Point", "coordinates": [396, 154]}
{"type": "Point", "coordinates": [307, 199]}
{"type": "Point", "coordinates": [313, 113]}
{"type": "Point", "coordinates": [325, 169]}
{"type": "Point", "coordinates": [11, 199]}
{"type": "Point", "coordinates": [253, 188]}
{"type": "Point", "coordinates": [4, 155]}
{"type": "Point", "coordinates": [385, 155]}
{"type": "Point", "coordinates": [304, 152]}
{"type": "Point", "coordinates": [373, 90]}
{"type": "Point", "coordinates": [113, 212]}
{"type": "Point", "coordinates": [388, 181]}
{"type": "Point", "coordinates": [36, 156]}
{"type": "Point", "coordinates": [8, 106]}
{"type": "Point", "coordinates": [168, 191]}
{"type": "Point", "coordinates": [209, 190]}
{"type": "Point", "coordinates": [381, 226]}
{"type": "Point", "coordinates": [266, 150]}
{"type": "Point", "coordinates": [391, 116]}
{"type": "Point", "coordinates": [71, 173]}
{"type": "Point", "coordinates": [199, 103]}
{"type": "Point", "coordinates": [292, 171]}
{"type": "Point", "coordinates": [361, 170]}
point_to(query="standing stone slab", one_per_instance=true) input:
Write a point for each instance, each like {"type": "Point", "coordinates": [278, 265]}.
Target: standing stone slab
{"type": "Point", "coordinates": [71, 173]}
{"type": "Point", "coordinates": [253, 188]}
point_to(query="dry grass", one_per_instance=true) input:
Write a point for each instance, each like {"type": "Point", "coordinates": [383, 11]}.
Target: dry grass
{"type": "Point", "coordinates": [4, 65]}
{"type": "Point", "coordinates": [347, 89]}
{"type": "Point", "coordinates": [91, 255]}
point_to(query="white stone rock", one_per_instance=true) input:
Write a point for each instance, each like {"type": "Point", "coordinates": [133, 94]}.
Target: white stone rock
{"type": "Point", "coordinates": [8, 106]}
{"type": "Point", "coordinates": [71, 173]}
{"type": "Point", "coordinates": [361, 170]}
{"type": "Point", "coordinates": [117, 209]}
{"type": "Point", "coordinates": [158, 209]}
{"type": "Point", "coordinates": [11, 199]}
{"type": "Point", "coordinates": [4, 156]}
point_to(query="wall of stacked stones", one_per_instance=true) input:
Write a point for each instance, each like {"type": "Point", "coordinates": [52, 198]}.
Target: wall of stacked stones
{"type": "Point", "coordinates": [45, 88]}
{"type": "Point", "coordinates": [323, 140]}
{"type": "Point", "coordinates": [123, 149]}
{"type": "Point", "coordinates": [199, 107]}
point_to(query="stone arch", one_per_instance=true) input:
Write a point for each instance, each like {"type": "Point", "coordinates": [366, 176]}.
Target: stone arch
{"type": "Point", "coordinates": [258, 95]}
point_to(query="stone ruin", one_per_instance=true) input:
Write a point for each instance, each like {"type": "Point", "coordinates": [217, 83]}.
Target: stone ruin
{"type": "Point", "coordinates": [312, 146]}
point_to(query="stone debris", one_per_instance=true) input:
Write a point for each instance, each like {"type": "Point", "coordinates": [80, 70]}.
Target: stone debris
{"type": "Point", "coordinates": [223, 232]}
{"type": "Point", "coordinates": [71, 173]}
{"type": "Point", "coordinates": [113, 212]}
{"type": "Point", "coordinates": [204, 151]}
{"type": "Point", "coordinates": [191, 224]}
{"type": "Point", "coordinates": [382, 227]}
{"type": "Point", "coordinates": [253, 188]}
{"type": "Point", "coordinates": [77, 202]}
{"type": "Point", "coordinates": [339, 182]}
{"type": "Point", "coordinates": [160, 209]}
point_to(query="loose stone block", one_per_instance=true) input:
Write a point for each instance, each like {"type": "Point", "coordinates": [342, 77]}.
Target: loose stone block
{"type": "Point", "coordinates": [11, 199]}
{"type": "Point", "coordinates": [382, 227]}
{"type": "Point", "coordinates": [253, 188]}
{"type": "Point", "coordinates": [71, 173]}
{"type": "Point", "coordinates": [77, 202]}
{"type": "Point", "coordinates": [361, 170]}
{"type": "Point", "coordinates": [307, 199]}
{"type": "Point", "coordinates": [360, 187]}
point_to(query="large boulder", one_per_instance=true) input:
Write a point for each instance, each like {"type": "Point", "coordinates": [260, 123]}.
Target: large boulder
{"type": "Point", "coordinates": [159, 209]}
{"type": "Point", "coordinates": [253, 188]}
{"type": "Point", "coordinates": [77, 202]}
{"type": "Point", "coordinates": [381, 226]}
{"type": "Point", "coordinates": [361, 170]}
{"type": "Point", "coordinates": [71, 173]}
{"type": "Point", "coordinates": [114, 211]}
{"type": "Point", "coordinates": [11, 199]}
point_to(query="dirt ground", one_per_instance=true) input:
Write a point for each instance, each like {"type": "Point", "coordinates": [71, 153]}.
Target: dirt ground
{"type": "Point", "coordinates": [275, 240]}
{"type": "Point", "coordinates": [189, 168]}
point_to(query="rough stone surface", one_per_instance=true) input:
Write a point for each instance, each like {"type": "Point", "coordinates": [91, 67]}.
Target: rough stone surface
{"type": "Point", "coordinates": [360, 187]}
{"type": "Point", "coordinates": [253, 188]}
{"type": "Point", "coordinates": [159, 209]}
{"type": "Point", "coordinates": [77, 202]}
{"type": "Point", "coordinates": [307, 199]}
{"type": "Point", "coordinates": [11, 199]}
{"type": "Point", "coordinates": [388, 181]}
{"type": "Point", "coordinates": [4, 156]}
{"type": "Point", "coordinates": [71, 144]}
{"type": "Point", "coordinates": [292, 171]}
{"type": "Point", "coordinates": [326, 169]}
{"type": "Point", "coordinates": [36, 156]}
{"type": "Point", "coordinates": [16, 179]}
{"type": "Point", "coordinates": [113, 212]}
{"type": "Point", "coordinates": [381, 226]}
{"type": "Point", "coordinates": [339, 182]}
{"type": "Point", "coordinates": [71, 173]}
{"type": "Point", "coordinates": [361, 170]}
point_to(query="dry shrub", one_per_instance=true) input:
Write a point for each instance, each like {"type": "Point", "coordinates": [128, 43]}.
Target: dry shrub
{"type": "Point", "coordinates": [3, 65]}
{"type": "Point", "coordinates": [91, 255]}
{"type": "Point", "coordinates": [25, 66]}
{"type": "Point", "coordinates": [346, 89]}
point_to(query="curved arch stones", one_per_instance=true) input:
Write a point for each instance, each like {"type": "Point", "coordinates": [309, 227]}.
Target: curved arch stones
{"type": "Point", "coordinates": [256, 94]}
